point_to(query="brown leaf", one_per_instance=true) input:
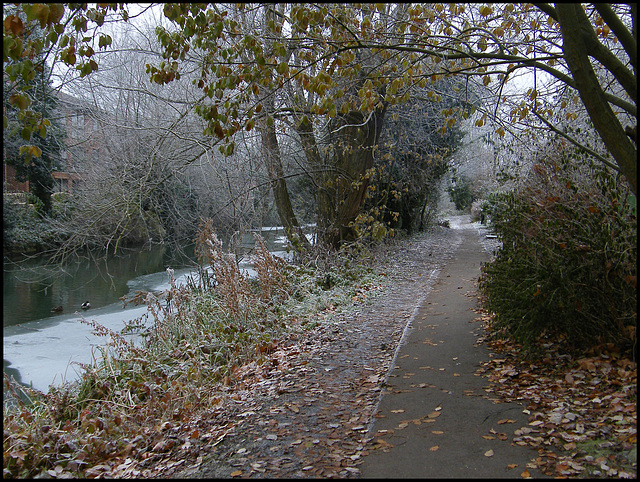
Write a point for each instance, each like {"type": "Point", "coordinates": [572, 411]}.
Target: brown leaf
{"type": "Point", "coordinates": [380, 443]}
{"type": "Point", "coordinates": [236, 473]}
{"type": "Point", "coordinates": [433, 415]}
{"type": "Point", "coordinates": [505, 420]}
{"type": "Point", "coordinates": [489, 453]}
{"type": "Point", "coordinates": [525, 474]}
{"type": "Point", "coordinates": [162, 446]}
{"type": "Point", "coordinates": [293, 407]}
{"type": "Point", "coordinates": [434, 448]}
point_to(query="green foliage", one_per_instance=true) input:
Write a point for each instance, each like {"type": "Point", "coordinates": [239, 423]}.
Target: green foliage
{"type": "Point", "coordinates": [368, 225]}
{"type": "Point", "coordinates": [33, 33]}
{"type": "Point", "coordinates": [23, 229]}
{"type": "Point", "coordinates": [33, 154]}
{"type": "Point", "coordinates": [567, 267]}
{"type": "Point", "coordinates": [461, 193]}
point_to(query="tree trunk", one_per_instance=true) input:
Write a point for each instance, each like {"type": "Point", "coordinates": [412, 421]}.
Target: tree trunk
{"type": "Point", "coordinates": [576, 28]}
{"type": "Point", "coordinates": [322, 175]}
{"type": "Point", "coordinates": [354, 139]}
{"type": "Point", "coordinates": [273, 158]}
{"type": "Point", "coordinates": [273, 162]}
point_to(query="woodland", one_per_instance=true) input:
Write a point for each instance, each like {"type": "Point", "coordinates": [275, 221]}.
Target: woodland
{"type": "Point", "coordinates": [349, 120]}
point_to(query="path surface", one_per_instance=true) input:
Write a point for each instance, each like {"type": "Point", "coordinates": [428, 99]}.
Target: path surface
{"type": "Point", "coordinates": [310, 411]}
{"type": "Point", "coordinates": [434, 419]}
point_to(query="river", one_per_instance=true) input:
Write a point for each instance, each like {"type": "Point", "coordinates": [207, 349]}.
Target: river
{"type": "Point", "coordinates": [42, 347]}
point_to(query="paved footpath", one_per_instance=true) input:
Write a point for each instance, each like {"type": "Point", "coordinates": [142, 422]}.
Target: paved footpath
{"type": "Point", "coordinates": [434, 409]}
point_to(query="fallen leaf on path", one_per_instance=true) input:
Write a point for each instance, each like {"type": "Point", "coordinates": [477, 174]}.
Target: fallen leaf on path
{"type": "Point", "coordinates": [434, 448]}
{"type": "Point", "coordinates": [397, 411]}
{"type": "Point", "coordinates": [380, 443]}
{"type": "Point", "coordinates": [506, 420]}
{"type": "Point", "coordinates": [525, 474]}
{"type": "Point", "coordinates": [236, 473]}
{"type": "Point", "coordinates": [433, 415]}
{"type": "Point", "coordinates": [293, 407]}
{"type": "Point", "coordinates": [437, 432]}
{"type": "Point", "coordinates": [512, 466]}
{"type": "Point", "coordinates": [488, 437]}
{"type": "Point", "coordinates": [489, 453]}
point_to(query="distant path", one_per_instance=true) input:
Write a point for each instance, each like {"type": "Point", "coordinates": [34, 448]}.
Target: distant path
{"type": "Point", "coordinates": [434, 419]}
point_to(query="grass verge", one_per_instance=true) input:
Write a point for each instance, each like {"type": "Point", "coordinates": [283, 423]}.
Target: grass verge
{"type": "Point", "coordinates": [173, 364]}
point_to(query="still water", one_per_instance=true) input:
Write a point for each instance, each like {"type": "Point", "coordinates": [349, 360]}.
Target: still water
{"type": "Point", "coordinates": [42, 347]}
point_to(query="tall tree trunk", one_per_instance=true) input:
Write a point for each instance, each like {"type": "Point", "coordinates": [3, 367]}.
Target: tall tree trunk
{"type": "Point", "coordinates": [323, 176]}
{"type": "Point", "coordinates": [273, 158]}
{"type": "Point", "coordinates": [275, 171]}
{"type": "Point", "coordinates": [576, 32]}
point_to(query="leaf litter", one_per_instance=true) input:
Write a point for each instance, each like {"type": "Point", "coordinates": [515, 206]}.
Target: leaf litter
{"type": "Point", "coordinates": [582, 408]}
{"type": "Point", "coordinates": [305, 410]}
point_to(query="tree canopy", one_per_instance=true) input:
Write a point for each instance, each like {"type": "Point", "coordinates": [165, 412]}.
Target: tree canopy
{"type": "Point", "coordinates": [330, 72]}
{"type": "Point", "coordinates": [589, 50]}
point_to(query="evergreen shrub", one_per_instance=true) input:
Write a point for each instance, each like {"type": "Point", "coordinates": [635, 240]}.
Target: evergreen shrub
{"type": "Point", "coordinates": [567, 267]}
{"type": "Point", "coordinates": [461, 194]}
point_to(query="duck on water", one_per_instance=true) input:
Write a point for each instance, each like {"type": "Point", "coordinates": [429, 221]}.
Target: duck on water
{"type": "Point", "coordinates": [58, 309]}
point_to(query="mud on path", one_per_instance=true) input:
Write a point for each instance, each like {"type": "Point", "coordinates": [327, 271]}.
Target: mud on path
{"type": "Point", "coordinates": [308, 411]}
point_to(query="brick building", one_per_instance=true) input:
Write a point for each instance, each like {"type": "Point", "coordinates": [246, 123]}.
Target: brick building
{"type": "Point", "coordinates": [82, 145]}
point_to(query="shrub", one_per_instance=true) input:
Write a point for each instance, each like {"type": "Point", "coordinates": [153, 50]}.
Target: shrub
{"type": "Point", "coordinates": [461, 193]}
{"type": "Point", "coordinates": [567, 266]}
{"type": "Point", "coordinates": [24, 231]}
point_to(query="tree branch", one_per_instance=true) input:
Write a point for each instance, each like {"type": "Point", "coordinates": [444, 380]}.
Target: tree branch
{"type": "Point", "coordinates": [605, 56]}
{"type": "Point", "coordinates": [576, 143]}
{"type": "Point", "coordinates": [548, 9]}
{"type": "Point", "coordinates": [592, 95]}
{"type": "Point", "coordinates": [619, 29]}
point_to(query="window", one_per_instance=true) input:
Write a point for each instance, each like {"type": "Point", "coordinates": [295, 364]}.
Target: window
{"type": "Point", "coordinates": [77, 121]}
{"type": "Point", "coordinates": [77, 125]}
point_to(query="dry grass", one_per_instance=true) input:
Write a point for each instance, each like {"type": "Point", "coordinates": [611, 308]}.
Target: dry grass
{"type": "Point", "coordinates": [190, 345]}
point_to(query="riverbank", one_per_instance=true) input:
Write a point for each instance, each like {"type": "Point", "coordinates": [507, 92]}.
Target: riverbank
{"type": "Point", "coordinates": [305, 407]}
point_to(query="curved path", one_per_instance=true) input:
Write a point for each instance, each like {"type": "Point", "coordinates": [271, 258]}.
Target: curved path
{"type": "Point", "coordinates": [434, 419]}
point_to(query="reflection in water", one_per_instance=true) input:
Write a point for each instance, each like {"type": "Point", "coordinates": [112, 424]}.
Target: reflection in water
{"type": "Point", "coordinates": [40, 346]}
{"type": "Point", "coordinates": [33, 288]}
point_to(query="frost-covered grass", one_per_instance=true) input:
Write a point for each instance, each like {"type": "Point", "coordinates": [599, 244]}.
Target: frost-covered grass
{"type": "Point", "coordinates": [194, 339]}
